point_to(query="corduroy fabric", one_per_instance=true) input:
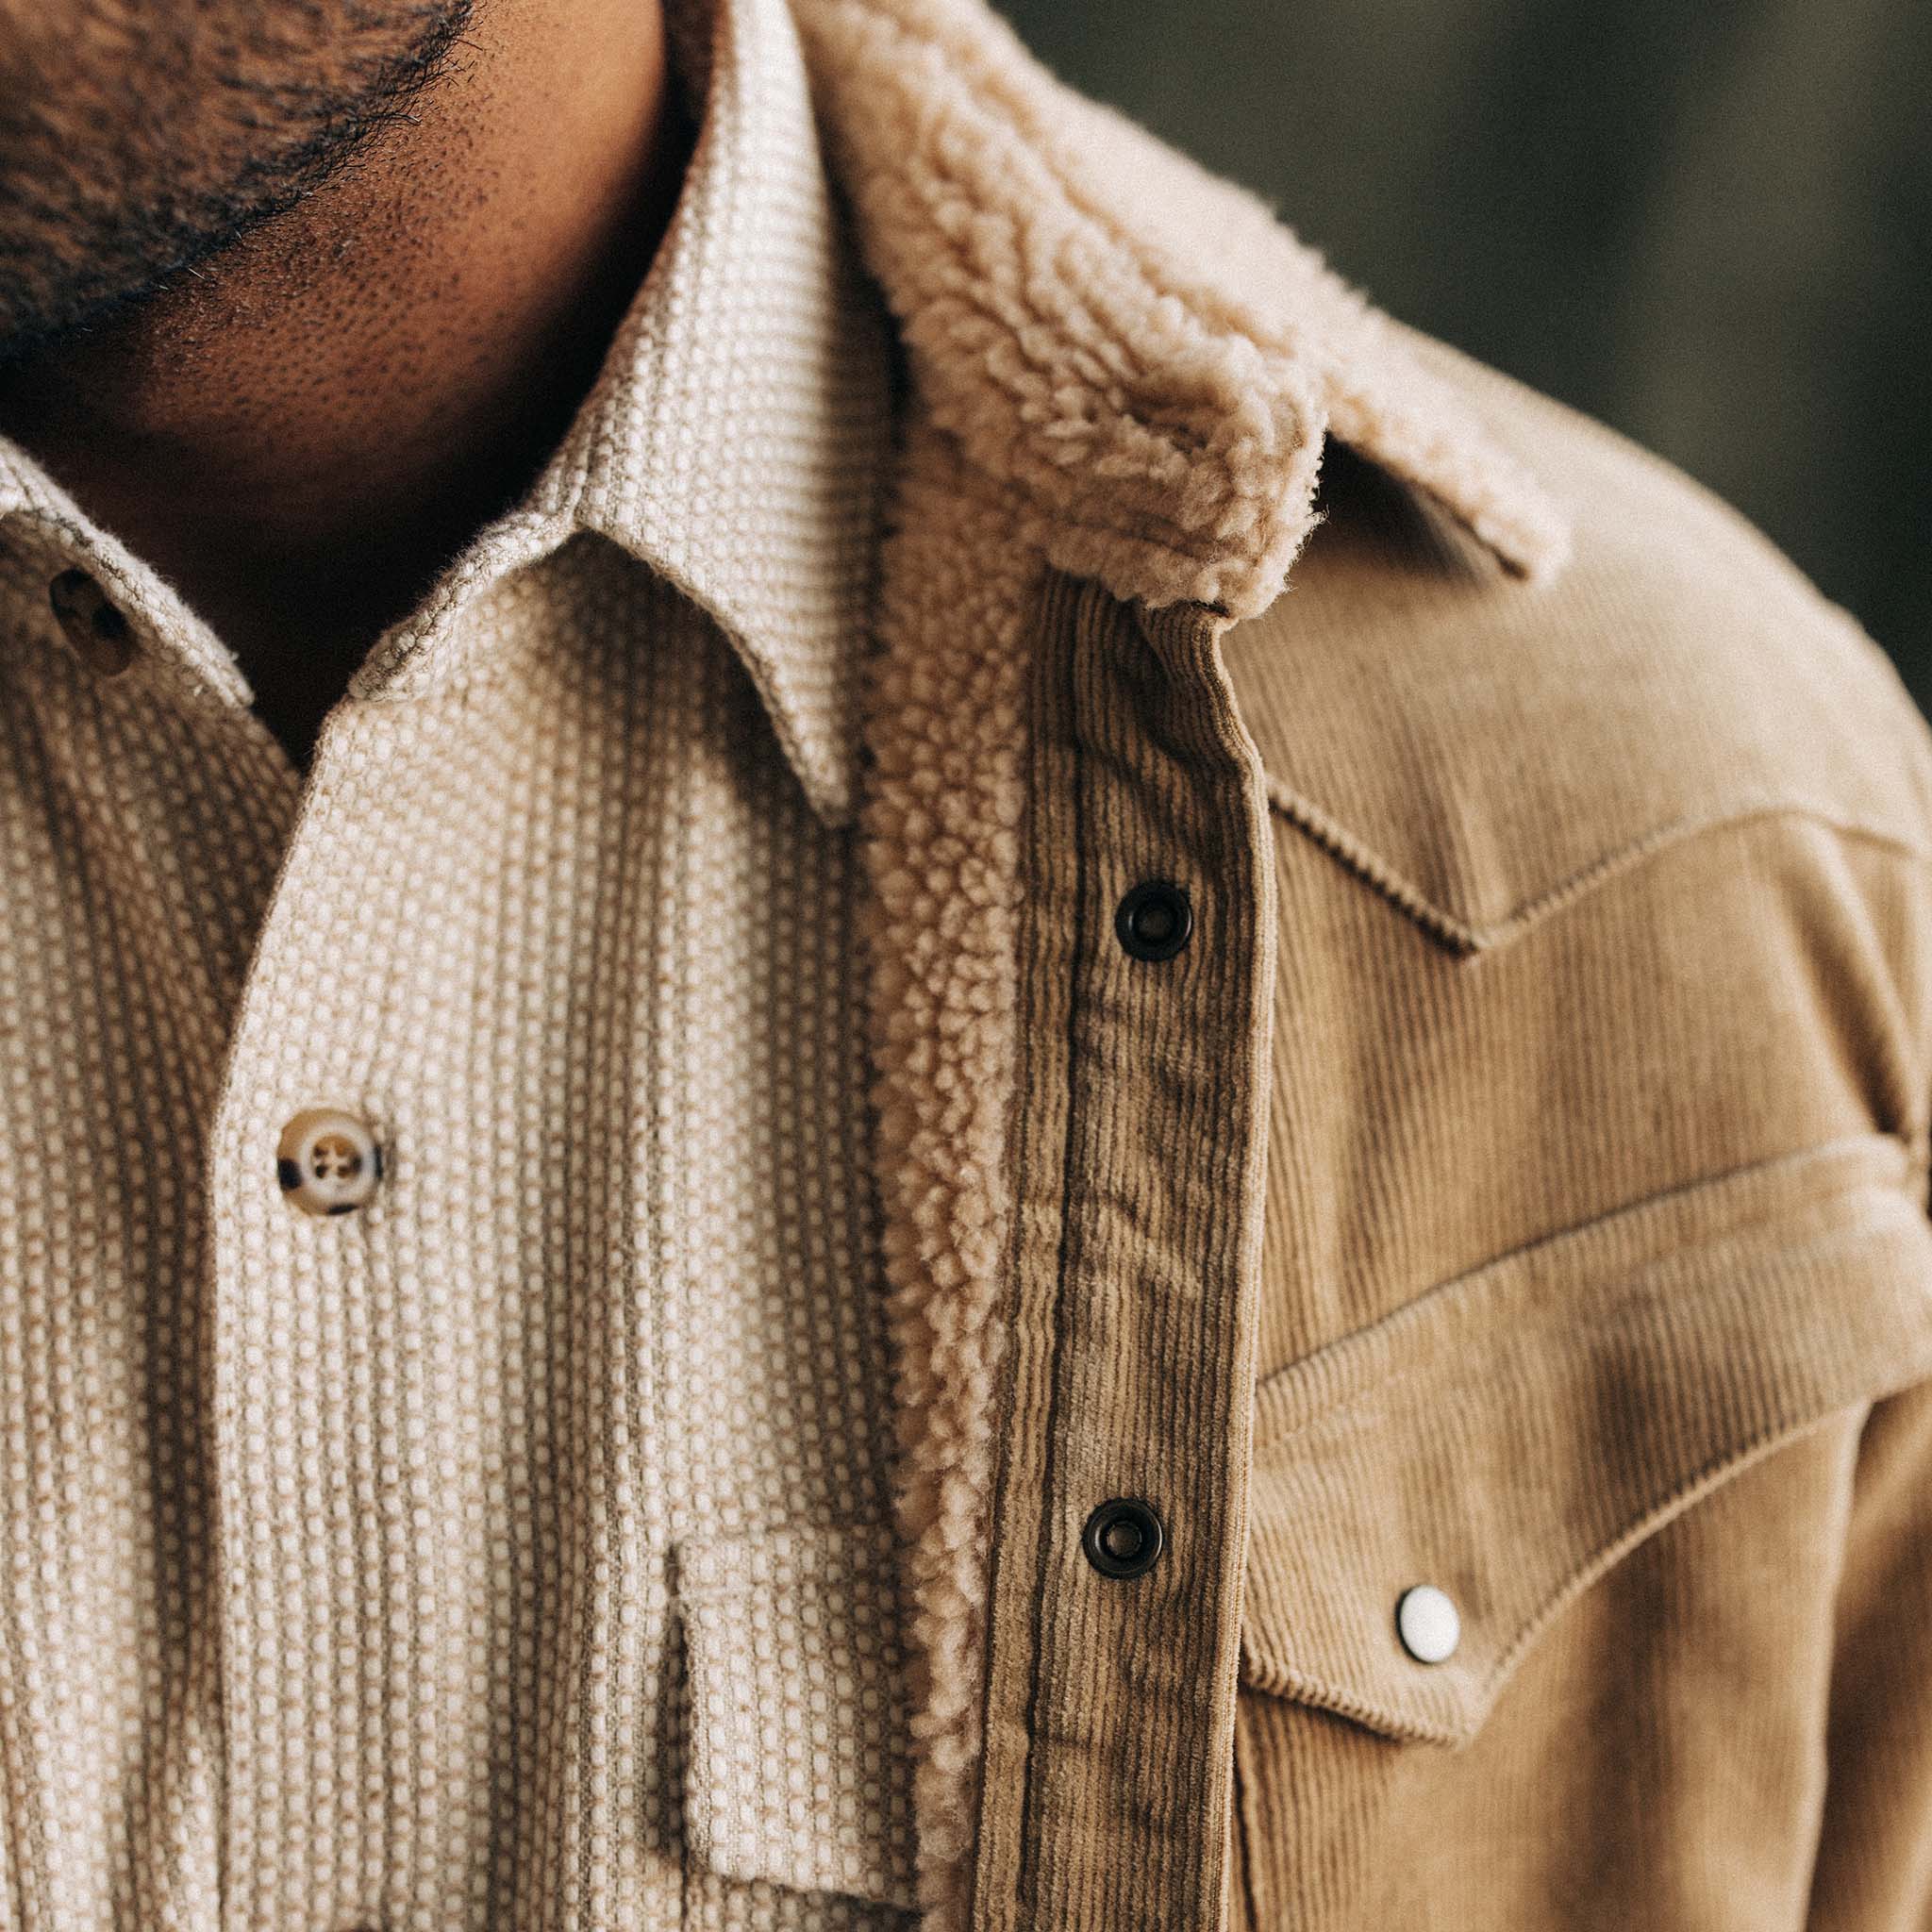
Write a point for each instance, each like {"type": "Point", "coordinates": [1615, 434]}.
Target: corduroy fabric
{"type": "Point", "coordinates": [1131, 1335]}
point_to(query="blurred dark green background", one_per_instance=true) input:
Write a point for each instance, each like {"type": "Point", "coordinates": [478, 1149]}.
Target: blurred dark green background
{"type": "Point", "coordinates": [1710, 224]}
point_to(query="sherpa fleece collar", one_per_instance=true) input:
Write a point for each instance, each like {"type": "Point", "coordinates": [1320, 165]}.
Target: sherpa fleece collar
{"type": "Point", "coordinates": [1141, 348]}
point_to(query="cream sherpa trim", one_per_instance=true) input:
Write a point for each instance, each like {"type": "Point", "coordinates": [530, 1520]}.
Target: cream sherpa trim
{"type": "Point", "coordinates": [946, 724]}
{"type": "Point", "coordinates": [1252, 277]}
{"type": "Point", "coordinates": [1138, 346]}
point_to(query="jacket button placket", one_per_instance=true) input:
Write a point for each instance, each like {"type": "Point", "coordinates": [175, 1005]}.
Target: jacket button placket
{"type": "Point", "coordinates": [1139, 1150]}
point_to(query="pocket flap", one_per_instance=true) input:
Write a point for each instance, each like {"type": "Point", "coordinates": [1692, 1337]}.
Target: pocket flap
{"type": "Point", "coordinates": [798, 1767]}
{"type": "Point", "coordinates": [1507, 1436]}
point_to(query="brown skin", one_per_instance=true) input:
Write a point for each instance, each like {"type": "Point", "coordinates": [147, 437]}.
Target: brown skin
{"type": "Point", "coordinates": [295, 295]}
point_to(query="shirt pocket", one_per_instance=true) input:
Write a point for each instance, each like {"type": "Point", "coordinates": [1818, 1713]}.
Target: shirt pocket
{"type": "Point", "coordinates": [798, 1763]}
{"type": "Point", "coordinates": [1509, 1436]}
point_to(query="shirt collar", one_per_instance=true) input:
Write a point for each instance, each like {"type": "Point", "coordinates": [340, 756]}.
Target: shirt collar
{"type": "Point", "coordinates": [734, 441]}
{"type": "Point", "coordinates": [737, 440]}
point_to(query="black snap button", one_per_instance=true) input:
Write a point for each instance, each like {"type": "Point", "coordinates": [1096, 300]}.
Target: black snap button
{"type": "Point", "coordinates": [1124, 1537]}
{"type": "Point", "coordinates": [1154, 920]}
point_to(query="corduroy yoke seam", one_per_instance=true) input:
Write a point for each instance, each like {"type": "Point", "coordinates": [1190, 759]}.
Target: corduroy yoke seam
{"type": "Point", "coordinates": [1465, 936]}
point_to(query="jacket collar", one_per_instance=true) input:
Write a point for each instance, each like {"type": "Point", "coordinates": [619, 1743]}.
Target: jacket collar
{"type": "Point", "coordinates": [1137, 347]}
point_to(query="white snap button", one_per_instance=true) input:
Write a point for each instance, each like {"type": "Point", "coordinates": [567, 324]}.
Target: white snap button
{"type": "Point", "coordinates": [327, 1161]}
{"type": "Point", "coordinates": [1427, 1621]}
{"type": "Point", "coordinates": [92, 622]}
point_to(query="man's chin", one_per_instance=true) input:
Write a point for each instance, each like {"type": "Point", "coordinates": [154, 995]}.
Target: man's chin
{"type": "Point", "coordinates": [120, 273]}
{"type": "Point", "coordinates": [92, 235]}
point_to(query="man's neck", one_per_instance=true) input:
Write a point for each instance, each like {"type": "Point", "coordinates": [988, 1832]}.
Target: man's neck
{"type": "Point", "coordinates": [301, 435]}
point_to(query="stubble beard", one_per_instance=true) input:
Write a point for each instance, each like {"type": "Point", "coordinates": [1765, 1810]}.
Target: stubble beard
{"type": "Point", "coordinates": [133, 149]}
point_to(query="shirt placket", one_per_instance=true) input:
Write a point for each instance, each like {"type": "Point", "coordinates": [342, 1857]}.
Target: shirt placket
{"type": "Point", "coordinates": [388, 1422]}
{"type": "Point", "coordinates": [316, 1486]}
{"type": "Point", "coordinates": [450, 1672]}
{"type": "Point", "coordinates": [1138, 1154]}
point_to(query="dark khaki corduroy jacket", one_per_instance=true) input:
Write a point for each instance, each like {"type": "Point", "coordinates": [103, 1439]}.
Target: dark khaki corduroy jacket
{"type": "Point", "coordinates": [1514, 1186]}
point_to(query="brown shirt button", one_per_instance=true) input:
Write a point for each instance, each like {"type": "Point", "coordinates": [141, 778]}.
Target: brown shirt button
{"type": "Point", "coordinates": [328, 1161]}
{"type": "Point", "coordinates": [93, 624]}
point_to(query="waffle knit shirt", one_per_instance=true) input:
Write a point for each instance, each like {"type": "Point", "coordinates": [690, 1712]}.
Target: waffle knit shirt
{"type": "Point", "coordinates": [512, 1552]}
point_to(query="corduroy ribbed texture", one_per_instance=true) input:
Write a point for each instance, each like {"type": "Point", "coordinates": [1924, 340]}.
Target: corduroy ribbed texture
{"type": "Point", "coordinates": [1139, 1181]}
{"type": "Point", "coordinates": [1596, 1286]}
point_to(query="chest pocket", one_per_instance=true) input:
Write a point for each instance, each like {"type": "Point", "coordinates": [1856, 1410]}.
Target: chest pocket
{"type": "Point", "coordinates": [1506, 1437]}
{"type": "Point", "coordinates": [798, 1767]}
